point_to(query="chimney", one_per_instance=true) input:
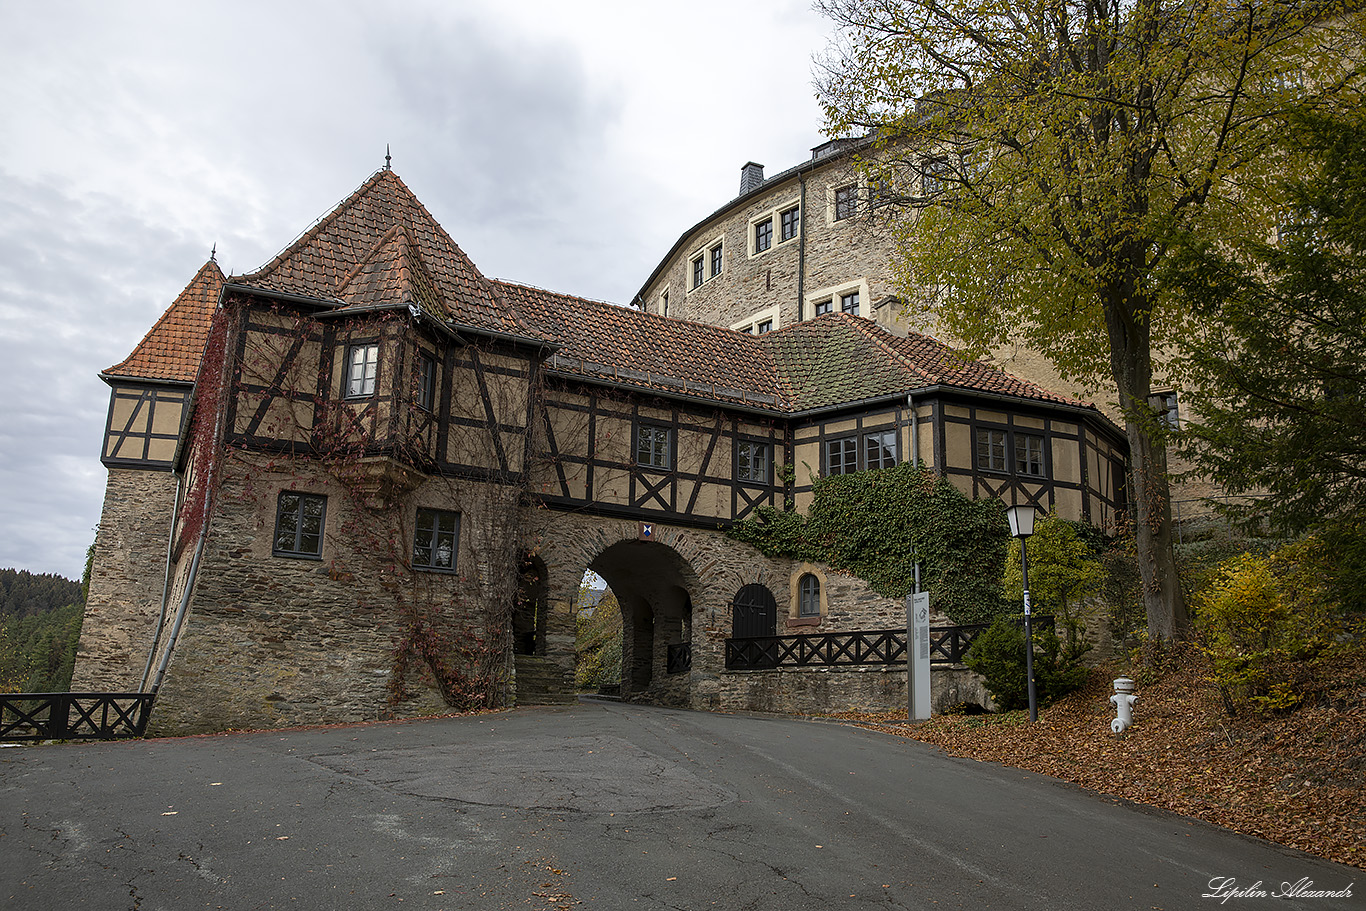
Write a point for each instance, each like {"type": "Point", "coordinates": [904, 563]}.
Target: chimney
{"type": "Point", "coordinates": [751, 175]}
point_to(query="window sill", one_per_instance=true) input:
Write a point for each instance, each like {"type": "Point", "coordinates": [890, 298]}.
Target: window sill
{"type": "Point", "coordinates": [293, 556]}
{"type": "Point", "coordinates": [803, 621]}
{"type": "Point", "coordinates": [439, 570]}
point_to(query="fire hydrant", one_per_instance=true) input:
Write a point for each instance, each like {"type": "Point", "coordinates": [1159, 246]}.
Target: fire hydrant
{"type": "Point", "coordinates": [1124, 700]}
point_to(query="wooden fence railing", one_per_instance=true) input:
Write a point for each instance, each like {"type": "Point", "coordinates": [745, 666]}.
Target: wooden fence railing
{"type": "Point", "coordinates": [73, 716]}
{"type": "Point", "coordinates": [948, 645]}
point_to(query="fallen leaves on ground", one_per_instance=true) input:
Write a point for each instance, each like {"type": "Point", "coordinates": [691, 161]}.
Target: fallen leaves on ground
{"type": "Point", "coordinates": [1295, 779]}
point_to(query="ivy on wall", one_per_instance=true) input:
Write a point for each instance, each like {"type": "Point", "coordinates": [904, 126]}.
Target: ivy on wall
{"type": "Point", "coordinates": [877, 524]}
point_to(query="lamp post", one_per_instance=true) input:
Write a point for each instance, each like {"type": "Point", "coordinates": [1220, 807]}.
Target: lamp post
{"type": "Point", "coordinates": [1022, 526]}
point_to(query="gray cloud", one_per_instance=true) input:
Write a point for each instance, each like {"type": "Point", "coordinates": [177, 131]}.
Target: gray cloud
{"type": "Point", "coordinates": [561, 147]}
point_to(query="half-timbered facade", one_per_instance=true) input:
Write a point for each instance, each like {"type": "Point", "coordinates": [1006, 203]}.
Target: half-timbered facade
{"type": "Point", "coordinates": [398, 471]}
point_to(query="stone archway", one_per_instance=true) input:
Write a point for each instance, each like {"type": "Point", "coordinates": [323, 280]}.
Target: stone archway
{"type": "Point", "coordinates": [651, 582]}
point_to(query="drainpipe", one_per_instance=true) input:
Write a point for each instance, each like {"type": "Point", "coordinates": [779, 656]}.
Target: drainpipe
{"type": "Point", "coordinates": [165, 581]}
{"type": "Point", "coordinates": [801, 250]}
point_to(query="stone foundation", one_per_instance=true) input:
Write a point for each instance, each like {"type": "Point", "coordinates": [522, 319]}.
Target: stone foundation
{"type": "Point", "coordinates": [825, 690]}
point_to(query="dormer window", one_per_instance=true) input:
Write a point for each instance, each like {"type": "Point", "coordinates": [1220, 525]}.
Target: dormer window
{"type": "Point", "coordinates": [362, 365]}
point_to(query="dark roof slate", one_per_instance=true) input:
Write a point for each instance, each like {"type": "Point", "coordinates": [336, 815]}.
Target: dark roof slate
{"type": "Point", "coordinates": [172, 348]}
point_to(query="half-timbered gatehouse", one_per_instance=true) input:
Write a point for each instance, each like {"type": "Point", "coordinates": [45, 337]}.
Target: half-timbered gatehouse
{"type": "Point", "coordinates": [394, 473]}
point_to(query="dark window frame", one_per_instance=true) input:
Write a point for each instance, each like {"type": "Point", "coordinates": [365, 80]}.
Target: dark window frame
{"type": "Point", "coordinates": [825, 306]}
{"type": "Point", "coordinates": [296, 548]}
{"type": "Point", "coordinates": [430, 521]}
{"type": "Point", "coordinates": [887, 455]}
{"type": "Point", "coordinates": [648, 435]}
{"type": "Point", "coordinates": [1024, 459]}
{"type": "Point", "coordinates": [426, 382]}
{"type": "Point", "coordinates": [808, 596]}
{"type": "Point", "coordinates": [698, 271]}
{"type": "Point", "coordinates": [846, 202]}
{"type": "Point", "coordinates": [368, 378]}
{"type": "Point", "coordinates": [846, 447]}
{"type": "Point", "coordinates": [763, 327]}
{"type": "Point", "coordinates": [717, 260]}
{"type": "Point", "coordinates": [845, 302]}
{"type": "Point", "coordinates": [790, 223]}
{"type": "Point", "coordinates": [1008, 452]}
{"type": "Point", "coordinates": [763, 235]}
{"type": "Point", "coordinates": [747, 453]}
{"type": "Point", "coordinates": [996, 452]}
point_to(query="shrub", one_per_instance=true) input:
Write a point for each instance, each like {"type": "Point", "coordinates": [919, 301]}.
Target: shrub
{"type": "Point", "coordinates": [998, 655]}
{"type": "Point", "coordinates": [1259, 616]}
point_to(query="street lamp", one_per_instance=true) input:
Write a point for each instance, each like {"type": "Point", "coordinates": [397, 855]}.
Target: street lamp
{"type": "Point", "coordinates": [1022, 526]}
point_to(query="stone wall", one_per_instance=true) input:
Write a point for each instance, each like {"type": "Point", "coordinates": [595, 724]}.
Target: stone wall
{"type": "Point", "coordinates": [711, 568]}
{"type": "Point", "coordinates": [273, 641]}
{"type": "Point", "coordinates": [824, 690]}
{"type": "Point", "coordinates": [832, 254]}
{"type": "Point", "coordinates": [126, 580]}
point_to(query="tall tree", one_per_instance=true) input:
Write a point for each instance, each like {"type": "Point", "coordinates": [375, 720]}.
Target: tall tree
{"type": "Point", "coordinates": [1277, 385]}
{"type": "Point", "coordinates": [1039, 157]}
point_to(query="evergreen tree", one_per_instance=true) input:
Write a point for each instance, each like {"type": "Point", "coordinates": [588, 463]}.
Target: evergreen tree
{"type": "Point", "coordinates": [1277, 387]}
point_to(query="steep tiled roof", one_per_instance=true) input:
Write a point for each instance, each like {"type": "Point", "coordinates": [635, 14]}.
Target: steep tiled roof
{"type": "Point", "coordinates": [831, 360]}
{"type": "Point", "coordinates": [172, 348]}
{"type": "Point", "coordinates": [648, 351]}
{"type": "Point", "coordinates": [841, 358]}
{"type": "Point", "coordinates": [354, 255]}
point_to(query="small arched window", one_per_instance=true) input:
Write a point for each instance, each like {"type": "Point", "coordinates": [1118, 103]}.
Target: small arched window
{"type": "Point", "coordinates": [809, 596]}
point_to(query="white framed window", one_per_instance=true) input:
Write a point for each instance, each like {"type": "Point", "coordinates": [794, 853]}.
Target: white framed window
{"type": "Point", "coordinates": [705, 264]}
{"type": "Point", "coordinates": [763, 234]}
{"type": "Point", "coordinates": [362, 366]}
{"type": "Point", "coordinates": [758, 323]}
{"type": "Point", "coordinates": [846, 298]}
{"type": "Point", "coordinates": [664, 301]}
{"type": "Point", "coordinates": [774, 227]}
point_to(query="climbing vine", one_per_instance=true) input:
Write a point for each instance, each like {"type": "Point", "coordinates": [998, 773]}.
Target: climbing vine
{"type": "Point", "coordinates": [878, 524]}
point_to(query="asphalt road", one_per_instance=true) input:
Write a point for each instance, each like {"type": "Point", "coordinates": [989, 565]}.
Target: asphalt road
{"type": "Point", "coordinates": [598, 805]}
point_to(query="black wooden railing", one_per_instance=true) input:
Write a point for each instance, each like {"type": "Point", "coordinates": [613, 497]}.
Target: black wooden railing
{"type": "Point", "coordinates": [73, 716]}
{"type": "Point", "coordinates": [948, 645]}
{"type": "Point", "coordinates": [679, 660]}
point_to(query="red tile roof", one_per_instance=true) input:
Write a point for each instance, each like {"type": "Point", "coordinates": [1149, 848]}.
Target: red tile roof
{"type": "Point", "coordinates": [171, 350]}
{"type": "Point", "coordinates": [380, 246]}
{"type": "Point", "coordinates": [624, 345]}
{"type": "Point", "coordinates": [831, 360]}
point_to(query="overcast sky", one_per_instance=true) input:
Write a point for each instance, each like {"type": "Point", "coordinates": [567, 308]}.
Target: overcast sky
{"type": "Point", "coordinates": [561, 144]}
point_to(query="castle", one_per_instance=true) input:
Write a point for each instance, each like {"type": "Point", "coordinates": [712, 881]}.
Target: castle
{"type": "Point", "coordinates": [365, 481]}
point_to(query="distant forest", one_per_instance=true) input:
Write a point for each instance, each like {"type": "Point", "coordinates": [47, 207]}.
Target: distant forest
{"type": "Point", "coordinates": [40, 625]}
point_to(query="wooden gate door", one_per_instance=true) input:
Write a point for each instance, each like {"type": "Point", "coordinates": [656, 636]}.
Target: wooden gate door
{"type": "Point", "coordinates": [755, 613]}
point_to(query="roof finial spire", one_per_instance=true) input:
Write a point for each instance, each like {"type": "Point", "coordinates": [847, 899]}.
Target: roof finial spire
{"type": "Point", "coordinates": [387, 157]}
{"type": "Point", "coordinates": [213, 254]}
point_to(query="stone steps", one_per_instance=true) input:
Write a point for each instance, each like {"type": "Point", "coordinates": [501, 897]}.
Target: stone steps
{"type": "Point", "coordinates": [540, 682]}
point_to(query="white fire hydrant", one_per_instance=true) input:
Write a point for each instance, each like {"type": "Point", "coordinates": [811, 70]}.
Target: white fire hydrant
{"type": "Point", "coordinates": [1124, 700]}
